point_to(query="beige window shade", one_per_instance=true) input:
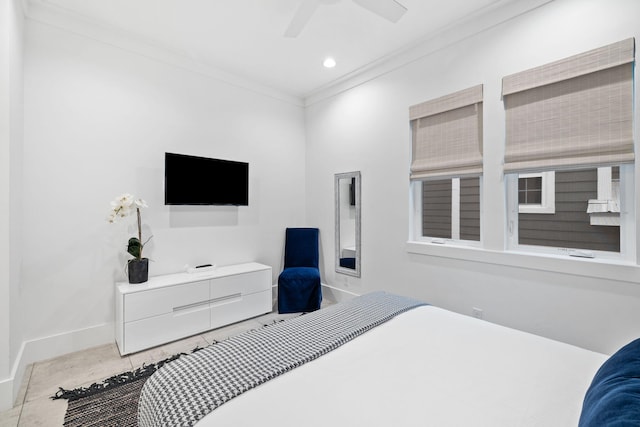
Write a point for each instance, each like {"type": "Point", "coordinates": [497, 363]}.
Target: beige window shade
{"type": "Point", "coordinates": [447, 135]}
{"type": "Point", "coordinates": [574, 112]}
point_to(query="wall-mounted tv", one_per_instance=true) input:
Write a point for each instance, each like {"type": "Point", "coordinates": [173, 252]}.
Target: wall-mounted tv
{"type": "Point", "coordinates": [352, 192]}
{"type": "Point", "coordinates": [192, 180]}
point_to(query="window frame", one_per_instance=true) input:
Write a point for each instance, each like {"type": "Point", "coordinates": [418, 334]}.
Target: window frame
{"type": "Point", "coordinates": [627, 223]}
{"type": "Point", "coordinates": [415, 218]}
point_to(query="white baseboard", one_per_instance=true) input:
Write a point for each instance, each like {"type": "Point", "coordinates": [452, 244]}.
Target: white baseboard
{"type": "Point", "coordinates": [6, 394]}
{"type": "Point", "coordinates": [49, 347]}
{"type": "Point", "coordinates": [329, 292]}
{"type": "Point", "coordinates": [336, 294]}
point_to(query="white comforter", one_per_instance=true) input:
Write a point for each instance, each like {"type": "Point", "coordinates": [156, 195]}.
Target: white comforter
{"type": "Point", "coordinates": [426, 367]}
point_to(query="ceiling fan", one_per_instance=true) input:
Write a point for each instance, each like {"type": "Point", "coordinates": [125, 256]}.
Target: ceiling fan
{"type": "Point", "coordinates": [387, 9]}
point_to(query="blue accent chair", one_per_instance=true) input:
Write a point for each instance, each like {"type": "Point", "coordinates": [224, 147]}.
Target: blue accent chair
{"type": "Point", "coordinates": [299, 288]}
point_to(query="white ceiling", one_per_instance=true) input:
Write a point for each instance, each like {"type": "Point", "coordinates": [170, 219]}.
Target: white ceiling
{"type": "Point", "coordinates": [245, 37]}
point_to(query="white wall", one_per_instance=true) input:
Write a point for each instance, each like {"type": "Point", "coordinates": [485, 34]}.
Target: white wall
{"type": "Point", "coordinates": [5, 152]}
{"type": "Point", "coordinates": [98, 120]}
{"type": "Point", "coordinates": [11, 127]}
{"type": "Point", "coordinates": [366, 128]}
{"type": "Point", "coordinates": [17, 140]}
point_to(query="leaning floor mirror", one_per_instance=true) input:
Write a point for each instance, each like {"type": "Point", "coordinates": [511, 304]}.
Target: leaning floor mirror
{"type": "Point", "coordinates": [347, 223]}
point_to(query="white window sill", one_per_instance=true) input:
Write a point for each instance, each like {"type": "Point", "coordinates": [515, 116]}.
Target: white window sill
{"type": "Point", "coordinates": [587, 267]}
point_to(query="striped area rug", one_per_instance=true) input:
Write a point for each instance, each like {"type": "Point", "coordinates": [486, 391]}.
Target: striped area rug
{"type": "Point", "coordinates": [114, 401]}
{"type": "Point", "coordinates": [117, 406]}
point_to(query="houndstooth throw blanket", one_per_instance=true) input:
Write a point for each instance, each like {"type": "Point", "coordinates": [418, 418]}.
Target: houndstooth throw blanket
{"type": "Point", "coordinates": [184, 391]}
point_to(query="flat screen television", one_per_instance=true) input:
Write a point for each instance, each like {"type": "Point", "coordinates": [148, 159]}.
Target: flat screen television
{"type": "Point", "coordinates": [192, 180]}
{"type": "Point", "coordinates": [352, 192]}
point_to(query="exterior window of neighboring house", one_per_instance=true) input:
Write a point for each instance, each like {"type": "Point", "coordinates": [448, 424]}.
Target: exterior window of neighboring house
{"type": "Point", "coordinates": [536, 193]}
{"type": "Point", "coordinates": [572, 119]}
{"type": "Point", "coordinates": [446, 168]}
{"type": "Point", "coordinates": [530, 190]}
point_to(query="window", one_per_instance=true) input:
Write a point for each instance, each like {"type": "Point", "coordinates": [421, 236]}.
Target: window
{"type": "Point", "coordinates": [570, 228]}
{"type": "Point", "coordinates": [529, 190]}
{"type": "Point", "coordinates": [572, 118]}
{"type": "Point", "coordinates": [446, 167]}
{"type": "Point", "coordinates": [450, 210]}
{"type": "Point", "coordinates": [536, 193]}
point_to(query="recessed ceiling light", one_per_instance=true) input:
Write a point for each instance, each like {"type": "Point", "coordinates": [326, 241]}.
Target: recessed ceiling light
{"type": "Point", "coordinates": [329, 62]}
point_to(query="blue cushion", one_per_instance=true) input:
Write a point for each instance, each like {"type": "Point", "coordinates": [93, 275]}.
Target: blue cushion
{"type": "Point", "coordinates": [299, 290]}
{"type": "Point", "coordinates": [299, 273]}
{"type": "Point", "coordinates": [613, 399]}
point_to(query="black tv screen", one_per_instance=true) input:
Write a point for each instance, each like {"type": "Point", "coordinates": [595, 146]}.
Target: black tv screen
{"type": "Point", "coordinates": [191, 180]}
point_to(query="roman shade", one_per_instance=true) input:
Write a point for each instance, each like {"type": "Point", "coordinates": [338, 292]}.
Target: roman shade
{"type": "Point", "coordinates": [447, 135]}
{"type": "Point", "coordinates": [575, 112]}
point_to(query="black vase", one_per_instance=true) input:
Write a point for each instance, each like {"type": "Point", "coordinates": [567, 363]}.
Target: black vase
{"type": "Point", "coordinates": [138, 270]}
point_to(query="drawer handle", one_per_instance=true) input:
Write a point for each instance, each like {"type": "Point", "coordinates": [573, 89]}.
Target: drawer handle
{"type": "Point", "coordinates": [190, 307]}
{"type": "Point", "coordinates": [226, 298]}
{"type": "Point", "coordinates": [204, 304]}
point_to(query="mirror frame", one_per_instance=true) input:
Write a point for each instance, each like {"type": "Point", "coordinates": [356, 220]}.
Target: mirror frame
{"type": "Point", "coordinates": [343, 270]}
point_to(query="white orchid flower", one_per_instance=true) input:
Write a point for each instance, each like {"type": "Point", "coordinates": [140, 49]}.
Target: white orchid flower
{"type": "Point", "coordinates": [125, 205]}
{"type": "Point", "coordinates": [141, 203]}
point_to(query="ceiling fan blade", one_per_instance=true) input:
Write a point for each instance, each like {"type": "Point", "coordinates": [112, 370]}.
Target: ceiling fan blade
{"type": "Point", "coordinates": [388, 9]}
{"type": "Point", "coordinates": [302, 16]}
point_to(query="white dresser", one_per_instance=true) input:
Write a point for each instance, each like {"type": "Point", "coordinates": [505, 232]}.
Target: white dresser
{"type": "Point", "coordinates": [174, 306]}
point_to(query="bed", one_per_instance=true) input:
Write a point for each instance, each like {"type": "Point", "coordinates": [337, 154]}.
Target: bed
{"type": "Point", "coordinates": [421, 366]}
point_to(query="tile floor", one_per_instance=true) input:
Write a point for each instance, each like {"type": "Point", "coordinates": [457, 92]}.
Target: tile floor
{"type": "Point", "coordinates": [35, 408]}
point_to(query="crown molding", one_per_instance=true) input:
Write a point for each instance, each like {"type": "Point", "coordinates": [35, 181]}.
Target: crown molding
{"type": "Point", "coordinates": [496, 13]}
{"type": "Point", "coordinates": [44, 12]}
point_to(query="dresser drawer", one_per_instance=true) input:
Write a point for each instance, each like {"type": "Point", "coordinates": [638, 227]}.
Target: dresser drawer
{"type": "Point", "coordinates": [165, 328]}
{"type": "Point", "coordinates": [225, 311]}
{"type": "Point", "coordinates": [246, 283]}
{"type": "Point", "coordinates": [155, 302]}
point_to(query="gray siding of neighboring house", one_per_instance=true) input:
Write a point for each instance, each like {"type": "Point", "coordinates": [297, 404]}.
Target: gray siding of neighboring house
{"type": "Point", "coordinates": [570, 226]}
{"type": "Point", "coordinates": [436, 208]}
